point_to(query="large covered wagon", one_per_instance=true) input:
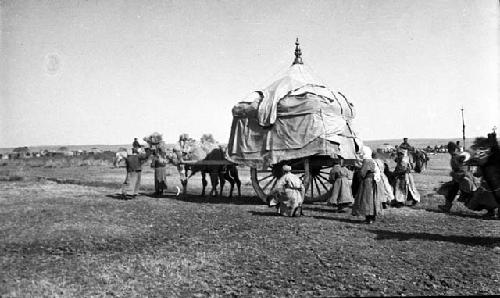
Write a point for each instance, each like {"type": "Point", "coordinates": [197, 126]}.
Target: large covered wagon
{"type": "Point", "coordinates": [295, 121]}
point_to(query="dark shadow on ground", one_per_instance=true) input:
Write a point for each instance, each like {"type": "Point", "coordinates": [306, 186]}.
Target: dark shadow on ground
{"type": "Point", "coordinates": [466, 240]}
{"type": "Point", "coordinates": [455, 213]}
{"type": "Point", "coordinates": [266, 213]}
{"type": "Point", "coordinates": [83, 182]}
{"type": "Point", "coordinates": [348, 220]}
{"type": "Point", "coordinates": [243, 200]}
{"type": "Point", "coordinates": [319, 209]}
{"type": "Point", "coordinates": [118, 196]}
{"type": "Point", "coordinates": [163, 196]}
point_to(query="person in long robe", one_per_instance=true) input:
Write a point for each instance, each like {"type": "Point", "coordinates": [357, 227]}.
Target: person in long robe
{"type": "Point", "coordinates": [386, 191]}
{"type": "Point", "coordinates": [159, 164]}
{"type": "Point", "coordinates": [340, 193]}
{"type": "Point", "coordinates": [288, 194]}
{"type": "Point", "coordinates": [356, 178]}
{"type": "Point", "coordinates": [368, 198]}
{"type": "Point", "coordinates": [405, 191]}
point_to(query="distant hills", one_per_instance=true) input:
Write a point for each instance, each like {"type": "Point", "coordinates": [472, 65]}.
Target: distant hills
{"type": "Point", "coordinates": [70, 147]}
{"type": "Point", "coordinates": [419, 143]}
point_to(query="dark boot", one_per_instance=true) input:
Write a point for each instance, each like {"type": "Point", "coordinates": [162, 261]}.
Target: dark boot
{"type": "Point", "coordinates": [447, 205]}
{"type": "Point", "coordinates": [445, 208]}
{"type": "Point", "coordinates": [490, 214]}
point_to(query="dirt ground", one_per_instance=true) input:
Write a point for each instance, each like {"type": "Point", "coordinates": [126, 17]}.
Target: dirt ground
{"type": "Point", "coordinates": [64, 231]}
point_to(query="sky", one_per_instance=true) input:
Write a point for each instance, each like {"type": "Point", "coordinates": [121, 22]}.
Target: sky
{"type": "Point", "coordinates": [104, 72]}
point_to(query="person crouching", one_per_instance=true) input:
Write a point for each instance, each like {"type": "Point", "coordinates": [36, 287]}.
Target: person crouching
{"type": "Point", "coordinates": [288, 194]}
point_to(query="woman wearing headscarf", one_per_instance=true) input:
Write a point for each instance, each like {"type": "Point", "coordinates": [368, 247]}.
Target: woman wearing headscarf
{"type": "Point", "coordinates": [368, 198]}
{"type": "Point", "coordinates": [340, 194]}
{"type": "Point", "coordinates": [404, 189]}
{"type": "Point", "coordinates": [159, 164]}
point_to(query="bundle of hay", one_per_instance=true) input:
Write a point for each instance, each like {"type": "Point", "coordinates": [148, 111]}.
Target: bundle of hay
{"type": "Point", "coordinates": [155, 140]}
{"type": "Point", "coordinates": [208, 143]}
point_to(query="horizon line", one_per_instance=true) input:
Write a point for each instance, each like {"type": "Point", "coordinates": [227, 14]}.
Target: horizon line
{"type": "Point", "coordinates": [368, 140]}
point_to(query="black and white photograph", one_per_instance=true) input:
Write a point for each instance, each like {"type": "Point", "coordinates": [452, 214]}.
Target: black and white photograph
{"type": "Point", "coordinates": [249, 148]}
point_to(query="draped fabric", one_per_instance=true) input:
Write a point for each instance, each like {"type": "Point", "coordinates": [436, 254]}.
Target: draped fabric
{"type": "Point", "coordinates": [296, 116]}
{"type": "Point", "coordinates": [384, 185]}
{"type": "Point", "coordinates": [295, 82]}
{"type": "Point", "coordinates": [305, 125]}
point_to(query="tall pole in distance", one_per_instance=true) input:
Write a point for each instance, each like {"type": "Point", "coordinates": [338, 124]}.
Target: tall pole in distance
{"type": "Point", "coordinates": [463, 126]}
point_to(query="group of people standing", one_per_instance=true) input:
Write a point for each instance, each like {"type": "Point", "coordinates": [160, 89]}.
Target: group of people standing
{"type": "Point", "coordinates": [374, 187]}
{"type": "Point", "coordinates": [134, 163]}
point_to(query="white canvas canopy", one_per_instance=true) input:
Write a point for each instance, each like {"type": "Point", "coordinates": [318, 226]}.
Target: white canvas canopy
{"type": "Point", "coordinates": [295, 82]}
{"type": "Point", "coordinates": [295, 116]}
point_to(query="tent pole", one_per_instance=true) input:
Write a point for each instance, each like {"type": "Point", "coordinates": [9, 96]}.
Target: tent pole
{"type": "Point", "coordinates": [463, 126]}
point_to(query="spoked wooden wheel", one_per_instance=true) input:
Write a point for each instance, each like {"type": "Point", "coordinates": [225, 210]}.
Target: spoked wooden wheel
{"type": "Point", "coordinates": [314, 173]}
{"type": "Point", "coordinates": [264, 181]}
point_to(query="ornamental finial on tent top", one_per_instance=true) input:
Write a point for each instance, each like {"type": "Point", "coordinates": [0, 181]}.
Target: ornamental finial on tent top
{"type": "Point", "coordinates": [298, 53]}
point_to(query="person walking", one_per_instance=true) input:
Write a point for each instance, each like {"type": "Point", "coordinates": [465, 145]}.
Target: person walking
{"type": "Point", "coordinates": [368, 198]}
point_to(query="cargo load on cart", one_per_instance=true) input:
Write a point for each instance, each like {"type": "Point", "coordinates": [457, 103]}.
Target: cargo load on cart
{"type": "Point", "coordinates": [298, 121]}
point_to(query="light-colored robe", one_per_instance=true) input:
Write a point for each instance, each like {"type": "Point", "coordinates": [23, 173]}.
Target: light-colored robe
{"type": "Point", "coordinates": [288, 194]}
{"type": "Point", "coordinates": [387, 193]}
{"type": "Point", "coordinates": [341, 192]}
{"type": "Point", "coordinates": [405, 185]}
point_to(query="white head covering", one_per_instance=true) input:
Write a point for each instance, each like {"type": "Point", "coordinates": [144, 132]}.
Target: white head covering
{"type": "Point", "coordinates": [466, 156]}
{"type": "Point", "coordinates": [287, 168]}
{"type": "Point", "coordinates": [367, 152]}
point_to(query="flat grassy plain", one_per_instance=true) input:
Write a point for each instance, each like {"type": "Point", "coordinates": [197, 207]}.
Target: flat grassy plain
{"type": "Point", "coordinates": [65, 232]}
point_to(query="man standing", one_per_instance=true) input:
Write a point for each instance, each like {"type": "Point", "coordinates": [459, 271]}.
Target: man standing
{"type": "Point", "coordinates": [409, 148]}
{"type": "Point", "coordinates": [288, 195]}
{"type": "Point", "coordinates": [181, 152]}
{"type": "Point", "coordinates": [404, 187]}
{"type": "Point", "coordinates": [406, 145]}
{"type": "Point", "coordinates": [132, 182]}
